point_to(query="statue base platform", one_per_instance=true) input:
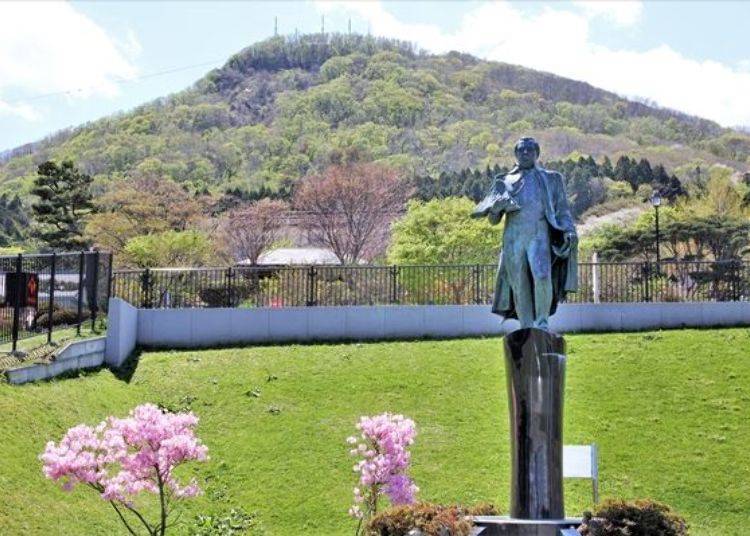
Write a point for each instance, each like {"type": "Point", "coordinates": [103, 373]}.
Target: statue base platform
{"type": "Point", "coordinates": [507, 526]}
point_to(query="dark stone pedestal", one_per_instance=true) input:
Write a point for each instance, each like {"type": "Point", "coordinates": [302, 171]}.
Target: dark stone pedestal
{"type": "Point", "coordinates": [505, 526]}
{"type": "Point", "coordinates": [535, 372]}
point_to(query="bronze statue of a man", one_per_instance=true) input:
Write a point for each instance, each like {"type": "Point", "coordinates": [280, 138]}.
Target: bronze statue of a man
{"type": "Point", "coordinates": [539, 258]}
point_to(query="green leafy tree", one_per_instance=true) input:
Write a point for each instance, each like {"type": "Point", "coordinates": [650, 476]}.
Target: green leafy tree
{"type": "Point", "coordinates": [140, 206]}
{"type": "Point", "coordinates": [12, 250]}
{"type": "Point", "coordinates": [64, 202]}
{"type": "Point", "coordinates": [171, 249]}
{"type": "Point", "coordinates": [685, 234]}
{"type": "Point", "coordinates": [441, 232]}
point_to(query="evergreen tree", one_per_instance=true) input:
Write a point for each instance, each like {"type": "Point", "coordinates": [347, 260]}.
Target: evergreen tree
{"type": "Point", "coordinates": [64, 201]}
{"type": "Point", "coordinates": [669, 187]}
{"type": "Point", "coordinates": [661, 178]}
{"type": "Point", "coordinates": [579, 190]}
{"type": "Point", "coordinates": [622, 169]}
{"type": "Point", "coordinates": [643, 173]}
{"type": "Point", "coordinates": [592, 167]}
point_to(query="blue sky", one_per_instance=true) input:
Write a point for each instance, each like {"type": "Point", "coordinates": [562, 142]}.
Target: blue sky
{"type": "Point", "coordinates": [62, 64]}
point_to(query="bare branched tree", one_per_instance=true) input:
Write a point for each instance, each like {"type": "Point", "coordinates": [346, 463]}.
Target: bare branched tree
{"type": "Point", "coordinates": [250, 230]}
{"type": "Point", "coordinates": [349, 209]}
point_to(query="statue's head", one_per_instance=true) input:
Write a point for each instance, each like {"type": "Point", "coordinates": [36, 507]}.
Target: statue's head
{"type": "Point", "coordinates": [527, 152]}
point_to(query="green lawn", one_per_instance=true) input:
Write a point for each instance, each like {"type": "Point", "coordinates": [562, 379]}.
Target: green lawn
{"type": "Point", "coordinates": [668, 409]}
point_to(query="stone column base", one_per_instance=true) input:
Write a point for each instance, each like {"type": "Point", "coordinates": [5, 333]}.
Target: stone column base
{"type": "Point", "coordinates": [506, 526]}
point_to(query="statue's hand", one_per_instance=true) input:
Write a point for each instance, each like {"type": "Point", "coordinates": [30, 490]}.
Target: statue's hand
{"type": "Point", "coordinates": [570, 241]}
{"type": "Point", "coordinates": [495, 218]}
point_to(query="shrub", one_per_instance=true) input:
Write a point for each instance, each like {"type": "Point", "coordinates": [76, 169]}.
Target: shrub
{"type": "Point", "coordinates": [214, 296]}
{"type": "Point", "coordinates": [430, 519]}
{"type": "Point", "coordinates": [60, 317]}
{"type": "Point", "coordinates": [637, 518]}
{"type": "Point", "coordinates": [235, 521]}
{"type": "Point", "coordinates": [218, 296]}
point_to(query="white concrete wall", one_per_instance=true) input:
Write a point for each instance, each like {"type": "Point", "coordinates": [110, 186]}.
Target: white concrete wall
{"type": "Point", "coordinates": [122, 331]}
{"type": "Point", "coordinates": [188, 328]}
{"type": "Point", "coordinates": [192, 328]}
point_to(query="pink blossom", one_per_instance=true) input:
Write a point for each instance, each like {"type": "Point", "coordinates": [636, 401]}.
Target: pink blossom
{"type": "Point", "coordinates": [383, 447]}
{"type": "Point", "coordinates": [122, 458]}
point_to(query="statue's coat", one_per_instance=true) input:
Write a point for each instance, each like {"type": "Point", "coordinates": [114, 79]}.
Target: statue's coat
{"type": "Point", "coordinates": [564, 264]}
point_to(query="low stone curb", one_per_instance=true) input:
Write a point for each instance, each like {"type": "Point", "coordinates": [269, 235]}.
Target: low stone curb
{"type": "Point", "coordinates": [75, 355]}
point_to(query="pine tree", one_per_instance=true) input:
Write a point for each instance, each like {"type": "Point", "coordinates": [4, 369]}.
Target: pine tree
{"type": "Point", "coordinates": [622, 168]}
{"type": "Point", "coordinates": [64, 200]}
{"type": "Point", "coordinates": [661, 177]}
{"type": "Point", "coordinates": [644, 173]}
{"type": "Point", "coordinates": [591, 166]}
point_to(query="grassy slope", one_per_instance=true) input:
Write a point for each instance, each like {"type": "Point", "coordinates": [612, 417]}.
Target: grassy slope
{"type": "Point", "coordinates": [668, 409]}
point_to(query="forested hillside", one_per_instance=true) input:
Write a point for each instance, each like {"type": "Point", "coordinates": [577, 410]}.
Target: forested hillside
{"type": "Point", "coordinates": [291, 106]}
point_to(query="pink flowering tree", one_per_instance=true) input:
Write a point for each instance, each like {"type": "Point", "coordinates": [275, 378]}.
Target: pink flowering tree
{"type": "Point", "coordinates": [122, 459]}
{"type": "Point", "coordinates": [382, 449]}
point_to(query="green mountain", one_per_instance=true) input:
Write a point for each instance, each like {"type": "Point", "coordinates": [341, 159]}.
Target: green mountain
{"type": "Point", "coordinates": [290, 106]}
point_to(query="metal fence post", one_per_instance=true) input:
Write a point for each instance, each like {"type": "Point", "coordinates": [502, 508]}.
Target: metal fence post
{"type": "Point", "coordinates": [145, 286]}
{"type": "Point", "coordinates": [51, 304]}
{"type": "Point", "coordinates": [394, 284]}
{"type": "Point", "coordinates": [94, 301]}
{"type": "Point", "coordinates": [109, 279]}
{"type": "Point", "coordinates": [595, 283]}
{"type": "Point", "coordinates": [17, 302]}
{"type": "Point", "coordinates": [477, 292]}
{"type": "Point", "coordinates": [736, 281]}
{"type": "Point", "coordinates": [311, 290]}
{"type": "Point", "coordinates": [79, 311]}
{"type": "Point", "coordinates": [647, 276]}
{"type": "Point", "coordinates": [229, 287]}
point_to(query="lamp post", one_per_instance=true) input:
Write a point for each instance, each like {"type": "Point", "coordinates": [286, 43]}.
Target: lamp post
{"type": "Point", "coordinates": [656, 202]}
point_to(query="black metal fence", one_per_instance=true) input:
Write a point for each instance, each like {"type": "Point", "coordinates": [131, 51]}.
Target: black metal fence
{"type": "Point", "coordinates": [283, 286]}
{"type": "Point", "coordinates": [45, 293]}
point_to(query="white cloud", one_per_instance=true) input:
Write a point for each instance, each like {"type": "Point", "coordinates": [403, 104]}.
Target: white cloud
{"type": "Point", "coordinates": [557, 39]}
{"type": "Point", "coordinates": [131, 45]}
{"type": "Point", "coordinates": [24, 111]}
{"type": "Point", "coordinates": [622, 13]}
{"type": "Point", "coordinates": [50, 47]}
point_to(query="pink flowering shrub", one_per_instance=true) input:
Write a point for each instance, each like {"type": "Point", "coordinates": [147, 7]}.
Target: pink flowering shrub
{"type": "Point", "coordinates": [384, 461]}
{"type": "Point", "coordinates": [123, 458]}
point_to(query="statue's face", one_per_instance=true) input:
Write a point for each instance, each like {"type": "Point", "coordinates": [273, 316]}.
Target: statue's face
{"type": "Point", "coordinates": [526, 155]}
